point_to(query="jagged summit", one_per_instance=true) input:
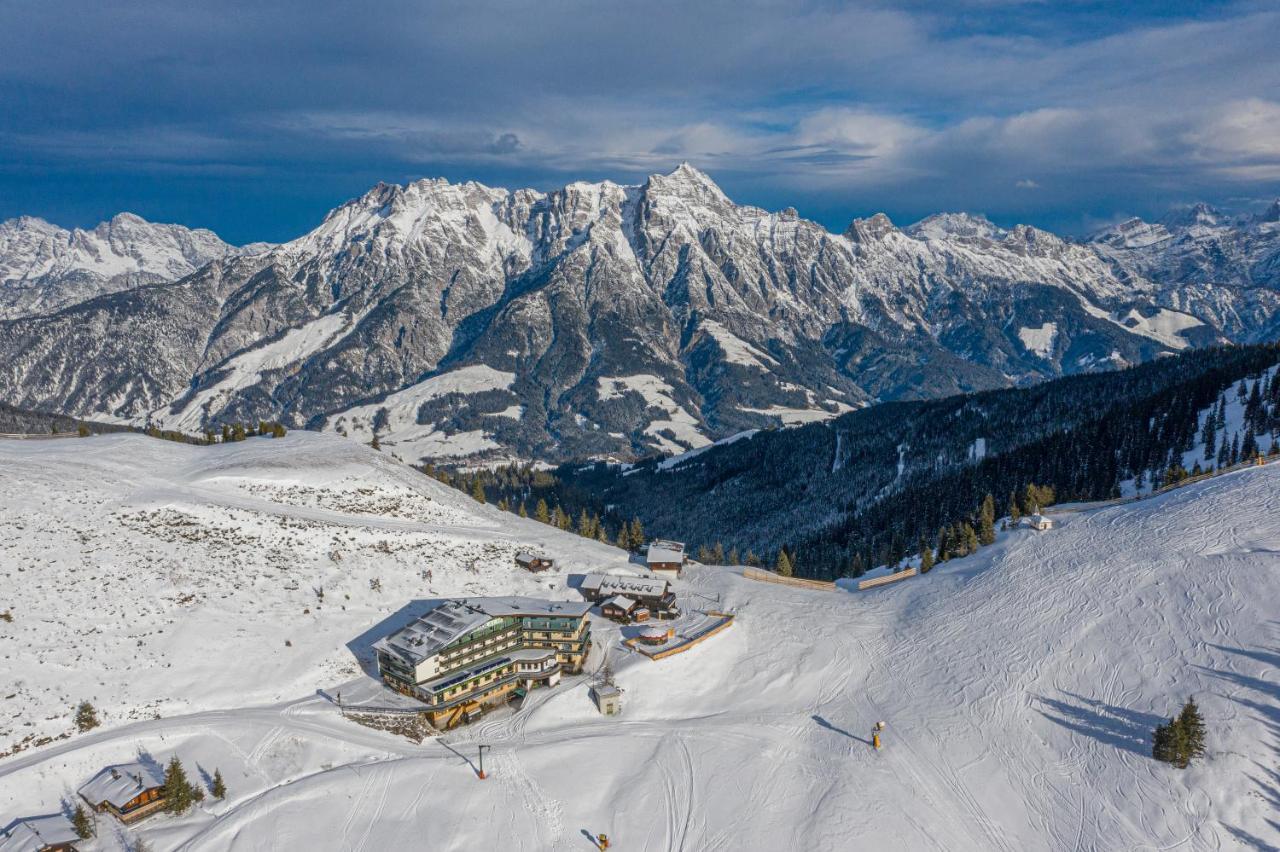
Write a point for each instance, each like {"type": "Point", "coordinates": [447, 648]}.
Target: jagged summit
{"type": "Point", "coordinates": [941, 226]}
{"type": "Point", "coordinates": [458, 320]}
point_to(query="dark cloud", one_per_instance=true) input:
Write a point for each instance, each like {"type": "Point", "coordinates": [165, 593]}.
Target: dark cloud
{"type": "Point", "coordinates": [254, 118]}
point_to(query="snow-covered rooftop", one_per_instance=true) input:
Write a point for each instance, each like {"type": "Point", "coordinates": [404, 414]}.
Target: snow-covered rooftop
{"type": "Point", "coordinates": [36, 833]}
{"type": "Point", "coordinates": [617, 584]}
{"type": "Point", "coordinates": [449, 620]}
{"type": "Point", "coordinates": [120, 784]}
{"type": "Point", "coordinates": [665, 551]}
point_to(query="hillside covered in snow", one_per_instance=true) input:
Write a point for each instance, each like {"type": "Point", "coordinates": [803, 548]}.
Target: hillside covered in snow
{"type": "Point", "coordinates": [176, 587]}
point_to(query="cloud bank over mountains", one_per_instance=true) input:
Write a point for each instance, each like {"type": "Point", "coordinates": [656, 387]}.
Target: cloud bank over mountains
{"type": "Point", "coordinates": [1059, 114]}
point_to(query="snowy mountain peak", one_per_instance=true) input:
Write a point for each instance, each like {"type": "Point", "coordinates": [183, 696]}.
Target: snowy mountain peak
{"type": "Point", "coordinates": [943, 226]}
{"type": "Point", "coordinates": [688, 182]}
{"type": "Point", "coordinates": [1198, 214]}
{"type": "Point", "coordinates": [1271, 214]}
{"type": "Point", "coordinates": [44, 267]}
{"type": "Point", "coordinates": [872, 228]}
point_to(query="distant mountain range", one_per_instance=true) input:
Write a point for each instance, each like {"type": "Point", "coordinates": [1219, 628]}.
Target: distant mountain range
{"type": "Point", "coordinates": [464, 322]}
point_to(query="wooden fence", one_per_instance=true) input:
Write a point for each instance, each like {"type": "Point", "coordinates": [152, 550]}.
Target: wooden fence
{"type": "Point", "coordinates": [887, 578]}
{"type": "Point", "coordinates": [772, 577]}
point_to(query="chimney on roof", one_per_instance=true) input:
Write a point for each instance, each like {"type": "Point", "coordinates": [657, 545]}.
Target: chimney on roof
{"type": "Point", "coordinates": [115, 774]}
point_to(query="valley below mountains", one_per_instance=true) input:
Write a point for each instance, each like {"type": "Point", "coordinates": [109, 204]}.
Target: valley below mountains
{"type": "Point", "coordinates": [466, 323]}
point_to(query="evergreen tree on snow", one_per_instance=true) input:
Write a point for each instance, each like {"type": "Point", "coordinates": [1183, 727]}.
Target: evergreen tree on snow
{"type": "Point", "coordinates": [477, 490]}
{"type": "Point", "coordinates": [178, 794]}
{"type": "Point", "coordinates": [987, 521]}
{"type": "Point", "coordinates": [540, 511]}
{"type": "Point", "coordinates": [81, 823]}
{"type": "Point", "coordinates": [1191, 741]}
{"type": "Point", "coordinates": [219, 787]}
{"type": "Point", "coordinates": [926, 556]}
{"type": "Point", "coordinates": [783, 565]}
{"type": "Point", "coordinates": [86, 717]}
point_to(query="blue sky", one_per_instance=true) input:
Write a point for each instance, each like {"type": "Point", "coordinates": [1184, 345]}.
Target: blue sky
{"type": "Point", "coordinates": [255, 118]}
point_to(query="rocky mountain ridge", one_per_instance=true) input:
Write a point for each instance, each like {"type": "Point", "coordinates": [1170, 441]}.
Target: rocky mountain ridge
{"type": "Point", "coordinates": [466, 322]}
{"type": "Point", "coordinates": [44, 268]}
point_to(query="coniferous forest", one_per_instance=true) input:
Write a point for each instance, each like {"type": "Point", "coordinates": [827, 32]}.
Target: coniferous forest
{"type": "Point", "coordinates": [883, 482]}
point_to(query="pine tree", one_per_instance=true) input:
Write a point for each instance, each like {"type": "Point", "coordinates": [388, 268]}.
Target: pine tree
{"type": "Point", "coordinates": [704, 554]}
{"type": "Point", "coordinates": [86, 717]}
{"type": "Point", "coordinates": [540, 511]}
{"type": "Point", "coordinates": [1192, 733]}
{"type": "Point", "coordinates": [783, 565]}
{"type": "Point", "coordinates": [717, 554]}
{"type": "Point", "coordinates": [970, 540]}
{"type": "Point", "coordinates": [524, 513]}
{"type": "Point", "coordinates": [1235, 449]}
{"type": "Point", "coordinates": [1162, 747]}
{"type": "Point", "coordinates": [637, 534]}
{"type": "Point", "coordinates": [987, 521]}
{"type": "Point", "coordinates": [81, 823]}
{"type": "Point", "coordinates": [584, 525]}
{"type": "Point", "coordinates": [1015, 511]}
{"type": "Point", "coordinates": [926, 556]}
{"type": "Point", "coordinates": [733, 556]}
{"type": "Point", "coordinates": [219, 787]}
{"type": "Point", "coordinates": [477, 490]}
{"type": "Point", "coordinates": [178, 795]}
{"type": "Point", "coordinates": [375, 443]}
{"type": "Point", "coordinates": [502, 504]}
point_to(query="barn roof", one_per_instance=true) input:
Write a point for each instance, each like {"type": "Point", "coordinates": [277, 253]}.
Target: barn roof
{"type": "Point", "coordinates": [121, 783]}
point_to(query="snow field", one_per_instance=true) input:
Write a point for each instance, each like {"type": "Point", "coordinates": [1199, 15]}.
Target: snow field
{"type": "Point", "coordinates": [1020, 686]}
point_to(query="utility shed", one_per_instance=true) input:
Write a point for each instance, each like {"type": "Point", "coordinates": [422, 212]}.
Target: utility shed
{"type": "Point", "coordinates": [128, 791]}
{"type": "Point", "coordinates": [608, 699]}
{"type": "Point", "coordinates": [39, 834]}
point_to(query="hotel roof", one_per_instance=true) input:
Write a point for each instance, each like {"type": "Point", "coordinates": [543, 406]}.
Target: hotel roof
{"type": "Point", "coordinates": [446, 621]}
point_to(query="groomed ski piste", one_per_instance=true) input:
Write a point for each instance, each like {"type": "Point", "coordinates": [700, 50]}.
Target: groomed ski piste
{"type": "Point", "coordinates": [1019, 685]}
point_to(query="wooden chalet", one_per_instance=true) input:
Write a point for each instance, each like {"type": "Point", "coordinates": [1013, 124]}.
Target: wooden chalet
{"type": "Point", "coordinates": [127, 791]}
{"type": "Point", "coordinates": [653, 593]}
{"type": "Point", "coordinates": [52, 833]}
{"type": "Point", "coordinates": [533, 563]}
{"type": "Point", "coordinates": [624, 609]}
{"type": "Point", "coordinates": [665, 557]}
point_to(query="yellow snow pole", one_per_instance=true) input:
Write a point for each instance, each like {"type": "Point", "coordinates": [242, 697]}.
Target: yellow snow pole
{"type": "Point", "coordinates": [875, 739]}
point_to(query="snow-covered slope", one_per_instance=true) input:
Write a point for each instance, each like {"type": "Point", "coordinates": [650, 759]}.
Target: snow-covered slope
{"type": "Point", "coordinates": [44, 268]}
{"type": "Point", "coordinates": [1019, 685]}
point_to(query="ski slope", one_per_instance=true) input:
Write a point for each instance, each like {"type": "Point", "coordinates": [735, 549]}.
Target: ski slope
{"type": "Point", "coordinates": [1019, 685]}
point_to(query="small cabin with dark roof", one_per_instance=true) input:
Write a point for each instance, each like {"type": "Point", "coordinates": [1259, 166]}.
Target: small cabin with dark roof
{"type": "Point", "coordinates": [533, 563]}
{"type": "Point", "coordinates": [127, 791]}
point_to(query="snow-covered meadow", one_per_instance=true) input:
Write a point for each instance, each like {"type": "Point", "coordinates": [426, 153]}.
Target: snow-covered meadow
{"type": "Point", "coordinates": [1019, 685]}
